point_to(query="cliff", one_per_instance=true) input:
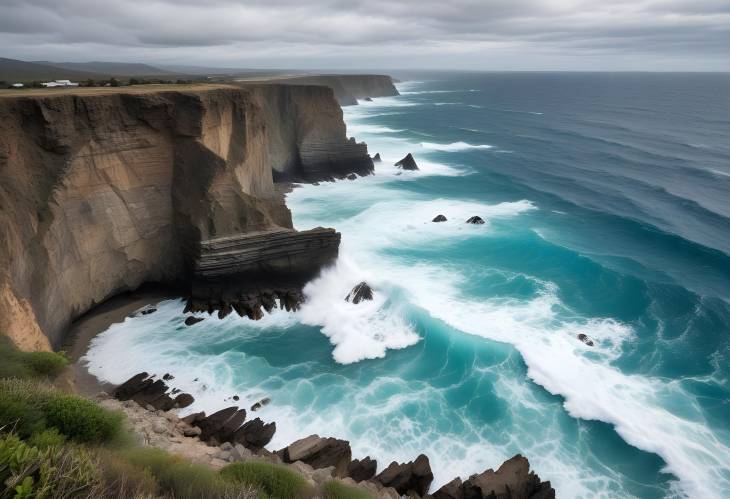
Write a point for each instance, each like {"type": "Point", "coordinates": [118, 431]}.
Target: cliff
{"type": "Point", "coordinates": [102, 190]}
{"type": "Point", "coordinates": [348, 88]}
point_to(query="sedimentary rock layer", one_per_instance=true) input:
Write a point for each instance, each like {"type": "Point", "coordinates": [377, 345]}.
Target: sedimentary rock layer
{"type": "Point", "coordinates": [102, 190]}
{"type": "Point", "coordinates": [348, 88]}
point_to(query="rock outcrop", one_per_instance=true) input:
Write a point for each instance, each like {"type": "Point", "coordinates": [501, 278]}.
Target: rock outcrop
{"type": "Point", "coordinates": [319, 452]}
{"type": "Point", "coordinates": [361, 292]}
{"type": "Point", "coordinates": [103, 190]}
{"type": "Point", "coordinates": [410, 478]}
{"type": "Point", "coordinates": [439, 218]}
{"type": "Point", "coordinates": [407, 163]}
{"type": "Point", "coordinates": [348, 88]}
{"type": "Point", "coordinates": [147, 391]}
{"type": "Point", "coordinates": [475, 220]}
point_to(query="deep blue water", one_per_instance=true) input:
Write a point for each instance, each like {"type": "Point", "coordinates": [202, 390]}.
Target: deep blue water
{"type": "Point", "coordinates": [607, 202]}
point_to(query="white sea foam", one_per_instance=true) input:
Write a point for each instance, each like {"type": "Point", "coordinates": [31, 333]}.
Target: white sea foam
{"type": "Point", "coordinates": [454, 146]}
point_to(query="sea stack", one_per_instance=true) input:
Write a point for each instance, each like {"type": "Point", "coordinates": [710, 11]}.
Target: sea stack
{"type": "Point", "coordinates": [407, 163]}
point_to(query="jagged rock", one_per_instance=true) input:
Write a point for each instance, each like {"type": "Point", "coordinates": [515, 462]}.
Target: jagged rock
{"type": "Point", "coordinates": [407, 163]}
{"type": "Point", "coordinates": [168, 377]}
{"type": "Point", "coordinates": [258, 405]}
{"type": "Point", "coordinates": [183, 400]}
{"type": "Point", "coordinates": [236, 398]}
{"type": "Point", "coordinates": [225, 434]}
{"type": "Point", "coordinates": [368, 99]}
{"type": "Point", "coordinates": [132, 386]}
{"type": "Point", "coordinates": [408, 478]}
{"type": "Point", "coordinates": [360, 470]}
{"type": "Point", "coordinates": [224, 310]}
{"type": "Point", "coordinates": [512, 480]}
{"type": "Point", "coordinates": [585, 339]}
{"type": "Point", "coordinates": [359, 293]}
{"type": "Point", "coordinates": [211, 425]}
{"type": "Point", "coordinates": [150, 393]}
{"type": "Point", "coordinates": [352, 176]}
{"type": "Point", "coordinates": [439, 218]}
{"type": "Point", "coordinates": [452, 490]}
{"type": "Point", "coordinates": [193, 418]}
{"type": "Point", "coordinates": [376, 158]}
{"type": "Point", "coordinates": [319, 453]}
{"type": "Point", "coordinates": [163, 403]}
{"type": "Point", "coordinates": [475, 220]}
{"type": "Point", "coordinates": [148, 311]}
{"type": "Point", "coordinates": [255, 434]}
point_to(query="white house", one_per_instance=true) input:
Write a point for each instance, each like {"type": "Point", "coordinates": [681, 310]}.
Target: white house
{"type": "Point", "coordinates": [17, 85]}
{"type": "Point", "coordinates": [60, 83]}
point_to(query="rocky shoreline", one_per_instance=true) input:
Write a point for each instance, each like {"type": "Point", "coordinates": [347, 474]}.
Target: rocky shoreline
{"type": "Point", "coordinates": [226, 436]}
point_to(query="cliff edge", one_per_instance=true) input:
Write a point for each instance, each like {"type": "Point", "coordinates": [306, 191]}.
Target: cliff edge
{"type": "Point", "coordinates": [102, 190]}
{"type": "Point", "coordinates": [347, 88]}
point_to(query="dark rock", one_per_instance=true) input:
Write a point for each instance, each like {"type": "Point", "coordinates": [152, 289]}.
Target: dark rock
{"type": "Point", "coordinates": [192, 320]}
{"type": "Point", "coordinates": [360, 470]}
{"type": "Point", "coordinates": [132, 386]}
{"type": "Point", "coordinates": [368, 99]}
{"type": "Point", "coordinates": [407, 163]}
{"type": "Point", "coordinates": [475, 220]}
{"type": "Point", "coordinates": [183, 400]}
{"type": "Point", "coordinates": [352, 176]}
{"type": "Point", "coordinates": [359, 293]}
{"type": "Point", "coordinates": [163, 403]}
{"type": "Point", "coordinates": [150, 393]}
{"type": "Point", "coordinates": [512, 480]}
{"type": "Point", "coordinates": [452, 490]}
{"type": "Point", "coordinates": [211, 425]}
{"type": "Point", "coordinates": [236, 398]}
{"type": "Point", "coordinates": [319, 453]}
{"type": "Point", "coordinates": [439, 218]}
{"type": "Point", "coordinates": [168, 377]}
{"type": "Point", "coordinates": [376, 158]}
{"type": "Point", "coordinates": [585, 339]}
{"type": "Point", "coordinates": [224, 311]}
{"type": "Point", "coordinates": [193, 418]}
{"type": "Point", "coordinates": [225, 434]}
{"type": "Point", "coordinates": [413, 477]}
{"type": "Point", "coordinates": [258, 405]}
{"type": "Point", "coordinates": [175, 390]}
{"type": "Point", "coordinates": [255, 434]}
{"type": "Point", "coordinates": [148, 311]}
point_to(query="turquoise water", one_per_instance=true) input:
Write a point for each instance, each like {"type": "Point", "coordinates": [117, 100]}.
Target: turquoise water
{"type": "Point", "coordinates": [607, 202]}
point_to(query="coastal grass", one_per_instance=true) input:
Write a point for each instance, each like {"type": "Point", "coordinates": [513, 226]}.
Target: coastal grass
{"type": "Point", "coordinates": [15, 363]}
{"type": "Point", "coordinates": [271, 480]}
{"type": "Point", "coordinates": [334, 489]}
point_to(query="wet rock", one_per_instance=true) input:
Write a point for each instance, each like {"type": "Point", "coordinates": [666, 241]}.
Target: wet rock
{"type": "Point", "coordinates": [236, 398]}
{"type": "Point", "coordinates": [512, 480]}
{"type": "Point", "coordinates": [225, 434]}
{"type": "Point", "coordinates": [359, 293]}
{"type": "Point", "coordinates": [439, 218]}
{"type": "Point", "coordinates": [258, 405]}
{"type": "Point", "coordinates": [168, 377]}
{"type": "Point", "coordinates": [452, 490]}
{"type": "Point", "coordinates": [360, 470]}
{"type": "Point", "coordinates": [183, 400]}
{"type": "Point", "coordinates": [224, 311]}
{"type": "Point", "coordinates": [377, 159]}
{"type": "Point", "coordinates": [585, 339]}
{"type": "Point", "coordinates": [192, 320]}
{"type": "Point", "coordinates": [352, 176]}
{"type": "Point", "coordinates": [255, 434]}
{"type": "Point", "coordinates": [211, 425]}
{"type": "Point", "coordinates": [319, 453]}
{"type": "Point", "coordinates": [475, 220]}
{"type": "Point", "coordinates": [413, 477]}
{"type": "Point", "coordinates": [368, 99]}
{"type": "Point", "coordinates": [407, 163]}
{"type": "Point", "coordinates": [132, 386]}
{"type": "Point", "coordinates": [147, 311]}
{"type": "Point", "coordinates": [150, 393]}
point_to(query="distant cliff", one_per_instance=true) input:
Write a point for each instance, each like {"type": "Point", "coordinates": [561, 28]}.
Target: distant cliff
{"type": "Point", "coordinates": [348, 88]}
{"type": "Point", "coordinates": [102, 190]}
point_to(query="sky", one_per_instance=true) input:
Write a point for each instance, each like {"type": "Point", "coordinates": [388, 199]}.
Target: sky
{"type": "Point", "coordinates": [538, 35]}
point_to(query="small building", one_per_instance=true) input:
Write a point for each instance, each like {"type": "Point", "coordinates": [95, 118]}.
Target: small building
{"type": "Point", "coordinates": [17, 85]}
{"type": "Point", "coordinates": [60, 83]}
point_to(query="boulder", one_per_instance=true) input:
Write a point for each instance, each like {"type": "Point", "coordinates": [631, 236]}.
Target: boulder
{"type": "Point", "coordinates": [225, 434]}
{"type": "Point", "coordinates": [439, 218]}
{"type": "Point", "coordinates": [255, 434]}
{"type": "Point", "coordinates": [359, 293]}
{"type": "Point", "coordinates": [475, 220]}
{"type": "Point", "coordinates": [132, 386]}
{"type": "Point", "coordinates": [150, 393]}
{"type": "Point", "coordinates": [168, 377]}
{"type": "Point", "coordinates": [183, 400]}
{"type": "Point", "coordinates": [585, 339]}
{"type": "Point", "coordinates": [258, 405]}
{"type": "Point", "coordinates": [360, 470]}
{"type": "Point", "coordinates": [193, 431]}
{"type": "Point", "coordinates": [148, 311]}
{"type": "Point", "coordinates": [452, 490]}
{"type": "Point", "coordinates": [409, 478]}
{"type": "Point", "coordinates": [407, 163]}
{"type": "Point", "coordinates": [192, 320]}
{"type": "Point", "coordinates": [512, 480]}
{"type": "Point", "coordinates": [319, 452]}
{"type": "Point", "coordinates": [376, 158]}
{"type": "Point", "coordinates": [211, 425]}
{"type": "Point", "coordinates": [193, 418]}
{"type": "Point", "coordinates": [368, 99]}
{"type": "Point", "coordinates": [352, 176]}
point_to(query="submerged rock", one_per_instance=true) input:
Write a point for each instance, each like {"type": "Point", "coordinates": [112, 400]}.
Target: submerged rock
{"type": "Point", "coordinates": [475, 220]}
{"type": "Point", "coordinates": [376, 158]}
{"type": "Point", "coordinates": [368, 99]}
{"type": "Point", "coordinates": [413, 477]}
{"type": "Point", "coordinates": [585, 339]}
{"type": "Point", "coordinates": [439, 218]}
{"type": "Point", "coordinates": [359, 293]}
{"type": "Point", "coordinates": [192, 320]}
{"type": "Point", "coordinates": [319, 452]}
{"type": "Point", "coordinates": [352, 176]}
{"type": "Point", "coordinates": [258, 405]}
{"type": "Point", "coordinates": [407, 163]}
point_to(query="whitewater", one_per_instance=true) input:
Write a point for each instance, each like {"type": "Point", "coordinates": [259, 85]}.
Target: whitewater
{"type": "Point", "coordinates": [468, 351]}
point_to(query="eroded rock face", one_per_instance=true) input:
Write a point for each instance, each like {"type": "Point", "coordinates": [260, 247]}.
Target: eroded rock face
{"type": "Point", "coordinates": [407, 163]}
{"type": "Point", "coordinates": [513, 480]}
{"type": "Point", "coordinates": [255, 434]}
{"type": "Point", "coordinates": [146, 391]}
{"type": "Point", "coordinates": [413, 477]}
{"type": "Point", "coordinates": [103, 192]}
{"type": "Point", "coordinates": [319, 452]}
{"type": "Point", "coordinates": [359, 293]}
{"type": "Point", "coordinates": [362, 469]}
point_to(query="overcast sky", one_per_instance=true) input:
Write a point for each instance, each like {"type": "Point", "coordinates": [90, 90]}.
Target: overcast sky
{"type": "Point", "coordinates": [351, 34]}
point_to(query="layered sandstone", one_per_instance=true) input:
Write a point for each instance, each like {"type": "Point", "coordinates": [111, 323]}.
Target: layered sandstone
{"type": "Point", "coordinates": [102, 190]}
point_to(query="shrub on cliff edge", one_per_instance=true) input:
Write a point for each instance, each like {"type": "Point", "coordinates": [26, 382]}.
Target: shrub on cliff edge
{"type": "Point", "coordinates": [82, 420]}
{"type": "Point", "coordinates": [15, 363]}
{"type": "Point", "coordinates": [272, 480]}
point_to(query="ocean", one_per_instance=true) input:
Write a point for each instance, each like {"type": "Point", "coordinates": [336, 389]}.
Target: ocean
{"type": "Point", "coordinates": [606, 198]}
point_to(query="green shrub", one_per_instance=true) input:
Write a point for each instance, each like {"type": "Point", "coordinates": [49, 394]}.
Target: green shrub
{"type": "Point", "coordinates": [47, 438]}
{"type": "Point", "coordinates": [82, 420]}
{"type": "Point", "coordinates": [20, 417]}
{"type": "Point", "coordinates": [334, 489]}
{"type": "Point", "coordinates": [46, 363]}
{"type": "Point", "coordinates": [15, 363]}
{"type": "Point", "coordinates": [273, 481]}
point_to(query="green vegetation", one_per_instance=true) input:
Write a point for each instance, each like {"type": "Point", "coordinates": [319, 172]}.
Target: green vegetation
{"type": "Point", "coordinates": [338, 490]}
{"type": "Point", "coordinates": [17, 364]}
{"type": "Point", "coordinates": [273, 481]}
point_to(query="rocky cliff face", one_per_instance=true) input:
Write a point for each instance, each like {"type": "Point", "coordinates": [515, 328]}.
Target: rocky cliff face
{"type": "Point", "coordinates": [103, 190]}
{"type": "Point", "coordinates": [348, 88]}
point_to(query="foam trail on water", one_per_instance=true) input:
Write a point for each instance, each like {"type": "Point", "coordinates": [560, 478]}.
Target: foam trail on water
{"type": "Point", "coordinates": [454, 146]}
